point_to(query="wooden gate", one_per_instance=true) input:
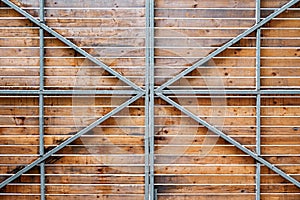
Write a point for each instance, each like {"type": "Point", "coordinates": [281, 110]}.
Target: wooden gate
{"type": "Point", "coordinates": [143, 99]}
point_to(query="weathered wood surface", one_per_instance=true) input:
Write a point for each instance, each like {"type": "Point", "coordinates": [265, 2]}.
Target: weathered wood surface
{"type": "Point", "coordinates": [190, 162]}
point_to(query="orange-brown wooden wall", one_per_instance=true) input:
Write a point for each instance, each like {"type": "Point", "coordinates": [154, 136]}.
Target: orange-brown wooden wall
{"type": "Point", "coordinates": [190, 162]}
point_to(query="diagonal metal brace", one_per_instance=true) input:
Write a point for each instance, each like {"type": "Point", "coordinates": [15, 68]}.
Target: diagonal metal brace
{"type": "Point", "coordinates": [231, 141]}
{"type": "Point", "coordinates": [70, 140]}
{"type": "Point", "coordinates": [71, 44]}
{"type": "Point", "coordinates": [228, 44]}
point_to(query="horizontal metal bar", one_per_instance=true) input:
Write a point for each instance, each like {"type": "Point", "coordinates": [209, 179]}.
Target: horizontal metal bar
{"type": "Point", "coordinates": [68, 141]}
{"type": "Point", "coordinates": [67, 92]}
{"type": "Point", "coordinates": [231, 141]}
{"type": "Point", "coordinates": [228, 44]}
{"type": "Point", "coordinates": [71, 44]}
{"type": "Point", "coordinates": [187, 92]}
{"type": "Point", "coordinates": [252, 92]}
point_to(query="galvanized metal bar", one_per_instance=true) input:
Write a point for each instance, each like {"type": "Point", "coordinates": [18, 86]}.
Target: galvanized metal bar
{"type": "Point", "coordinates": [108, 92]}
{"type": "Point", "coordinates": [258, 146]}
{"type": "Point", "coordinates": [71, 44]}
{"type": "Point", "coordinates": [228, 44]}
{"type": "Point", "coordinates": [150, 95]}
{"type": "Point", "coordinates": [41, 103]}
{"type": "Point", "coordinates": [231, 141]}
{"type": "Point", "coordinates": [41, 147]}
{"type": "Point", "coordinates": [147, 98]}
{"type": "Point", "coordinates": [67, 92]}
{"type": "Point", "coordinates": [69, 141]}
{"type": "Point", "coordinates": [151, 100]}
{"type": "Point", "coordinates": [222, 92]}
{"type": "Point", "coordinates": [258, 101]}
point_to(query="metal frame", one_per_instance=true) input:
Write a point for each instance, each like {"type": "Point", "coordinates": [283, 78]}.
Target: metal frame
{"type": "Point", "coordinates": [149, 101]}
{"type": "Point", "coordinates": [147, 85]}
{"type": "Point", "coordinates": [150, 93]}
{"type": "Point", "coordinates": [231, 92]}
{"type": "Point", "coordinates": [70, 140]}
{"type": "Point", "coordinates": [258, 101]}
{"type": "Point", "coordinates": [228, 44]}
{"type": "Point", "coordinates": [67, 92]}
{"type": "Point", "coordinates": [71, 44]}
{"type": "Point", "coordinates": [230, 140]}
{"type": "Point", "coordinates": [41, 103]}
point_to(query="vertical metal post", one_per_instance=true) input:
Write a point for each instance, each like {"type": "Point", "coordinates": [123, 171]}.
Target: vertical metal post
{"type": "Point", "coordinates": [151, 110]}
{"type": "Point", "coordinates": [41, 103]}
{"type": "Point", "coordinates": [149, 104]}
{"type": "Point", "coordinates": [258, 101]}
{"type": "Point", "coordinates": [147, 97]}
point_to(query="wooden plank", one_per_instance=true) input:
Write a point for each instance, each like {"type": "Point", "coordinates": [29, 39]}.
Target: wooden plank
{"type": "Point", "coordinates": [95, 12]}
{"type": "Point", "coordinates": [280, 188]}
{"type": "Point", "coordinates": [111, 32]}
{"type": "Point", "coordinates": [212, 189]}
{"type": "Point", "coordinates": [18, 22]}
{"type": "Point", "coordinates": [207, 23]}
{"type": "Point", "coordinates": [287, 14]}
{"type": "Point", "coordinates": [135, 121]}
{"type": "Point", "coordinates": [90, 140]}
{"type": "Point", "coordinates": [232, 52]}
{"type": "Point", "coordinates": [217, 42]}
{"type": "Point", "coordinates": [280, 130]}
{"type": "Point", "coordinates": [205, 180]}
{"type": "Point", "coordinates": [274, 72]}
{"type": "Point", "coordinates": [96, 189]}
{"type": "Point", "coordinates": [75, 22]}
{"type": "Point", "coordinates": [76, 159]}
{"type": "Point", "coordinates": [212, 110]}
{"type": "Point", "coordinates": [222, 32]}
{"type": "Point", "coordinates": [197, 32]}
{"type": "Point", "coordinates": [160, 149]}
{"type": "Point", "coordinates": [206, 13]}
{"type": "Point", "coordinates": [18, 130]}
{"type": "Point", "coordinates": [66, 52]}
{"type": "Point", "coordinates": [77, 189]}
{"type": "Point", "coordinates": [83, 169]}
{"type": "Point", "coordinates": [218, 4]}
{"type": "Point", "coordinates": [99, 196]}
{"type": "Point", "coordinates": [204, 4]}
{"type": "Point", "coordinates": [139, 42]}
{"type": "Point", "coordinates": [82, 42]}
{"type": "Point", "coordinates": [280, 196]}
{"type": "Point", "coordinates": [245, 170]}
{"type": "Point", "coordinates": [79, 4]}
{"type": "Point", "coordinates": [75, 197]}
{"type": "Point", "coordinates": [279, 32]}
{"type": "Point", "coordinates": [91, 180]}
{"type": "Point", "coordinates": [21, 197]}
{"type": "Point", "coordinates": [205, 196]}
{"type": "Point", "coordinates": [161, 139]}
{"type": "Point", "coordinates": [25, 62]}
{"type": "Point", "coordinates": [232, 196]}
{"type": "Point", "coordinates": [19, 32]}
{"type": "Point", "coordinates": [290, 121]}
{"type": "Point", "coordinates": [215, 179]}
